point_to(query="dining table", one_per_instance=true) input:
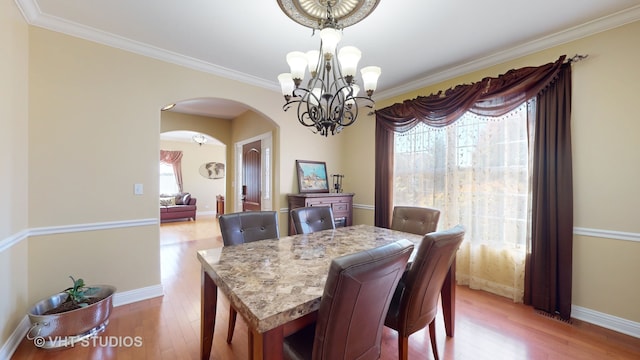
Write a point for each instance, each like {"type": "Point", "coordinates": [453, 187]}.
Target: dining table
{"type": "Point", "coordinates": [276, 284]}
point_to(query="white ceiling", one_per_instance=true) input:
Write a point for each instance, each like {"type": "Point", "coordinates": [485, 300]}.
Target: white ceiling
{"type": "Point", "coordinates": [415, 42]}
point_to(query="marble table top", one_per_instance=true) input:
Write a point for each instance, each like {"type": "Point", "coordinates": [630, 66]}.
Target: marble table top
{"type": "Point", "coordinates": [272, 282]}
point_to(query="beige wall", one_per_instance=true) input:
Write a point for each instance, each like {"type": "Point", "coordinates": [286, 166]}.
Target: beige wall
{"type": "Point", "coordinates": [80, 126]}
{"type": "Point", "coordinates": [219, 129]}
{"type": "Point", "coordinates": [93, 132]}
{"type": "Point", "coordinates": [14, 147]}
{"type": "Point", "coordinates": [606, 154]}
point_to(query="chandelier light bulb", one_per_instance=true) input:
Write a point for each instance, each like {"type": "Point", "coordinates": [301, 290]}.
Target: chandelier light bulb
{"type": "Point", "coordinates": [286, 84]}
{"type": "Point", "coordinates": [349, 57]}
{"type": "Point", "coordinates": [370, 75]}
{"type": "Point", "coordinates": [297, 61]}
{"type": "Point", "coordinates": [330, 38]}
{"type": "Point", "coordinates": [312, 61]}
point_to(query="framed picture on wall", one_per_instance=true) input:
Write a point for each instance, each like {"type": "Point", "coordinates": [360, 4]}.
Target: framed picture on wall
{"type": "Point", "coordinates": [212, 170]}
{"type": "Point", "coordinates": [312, 176]}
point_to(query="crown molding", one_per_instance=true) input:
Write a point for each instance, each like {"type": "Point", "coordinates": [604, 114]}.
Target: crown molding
{"type": "Point", "coordinates": [34, 16]}
{"type": "Point", "coordinates": [577, 32]}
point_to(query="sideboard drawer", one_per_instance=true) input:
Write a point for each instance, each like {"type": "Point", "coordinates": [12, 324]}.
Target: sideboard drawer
{"type": "Point", "coordinates": [340, 207]}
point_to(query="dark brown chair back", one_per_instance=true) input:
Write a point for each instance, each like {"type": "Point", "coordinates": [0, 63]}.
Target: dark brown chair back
{"type": "Point", "coordinates": [414, 305]}
{"type": "Point", "coordinates": [355, 300]}
{"type": "Point", "coordinates": [241, 227]}
{"type": "Point", "coordinates": [312, 218]}
{"type": "Point", "coordinates": [415, 220]}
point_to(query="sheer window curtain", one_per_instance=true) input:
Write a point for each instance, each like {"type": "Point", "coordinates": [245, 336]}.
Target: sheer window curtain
{"type": "Point", "coordinates": [548, 263]}
{"type": "Point", "coordinates": [476, 172]}
{"type": "Point", "coordinates": [173, 158]}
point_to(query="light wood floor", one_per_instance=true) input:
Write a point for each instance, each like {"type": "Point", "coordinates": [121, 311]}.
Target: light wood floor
{"type": "Point", "coordinates": [487, 326]}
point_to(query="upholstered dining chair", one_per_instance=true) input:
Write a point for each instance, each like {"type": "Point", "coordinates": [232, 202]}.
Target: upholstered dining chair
{"type": "Point", "coordinates": [312, 218]}
{"type": "Point", "coordinates": [415, 302]}
{"type": "Point", "coordinates": [415, 220]}
{"type": "Point", "coordinates": [356, 297]}
{"type": "Point", "coordinates": [243, 227]}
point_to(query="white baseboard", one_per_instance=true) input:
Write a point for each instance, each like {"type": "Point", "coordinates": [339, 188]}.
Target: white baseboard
{"type": "Point", "coordinates": [607, 321]}
{"type": "Point", "coordinates": [204, 213]}
{"type": "Point", "coordinates": [15, 338]}
{"type": "Point", "coordinates": [131, 296]}
{"type": "Point", "coordinates": [119, 299]}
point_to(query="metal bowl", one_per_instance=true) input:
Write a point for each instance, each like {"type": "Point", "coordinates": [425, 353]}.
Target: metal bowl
{"type": "Point", "coordinates": [67, 328]}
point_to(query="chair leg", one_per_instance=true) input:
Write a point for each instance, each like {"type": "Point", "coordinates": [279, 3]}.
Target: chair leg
{"type": "Point", "coordinates": [403, 347]}
{"type": "Point", "coordinates": [232, 323]}
{"type": "Point", "coordinates": [432, 335]}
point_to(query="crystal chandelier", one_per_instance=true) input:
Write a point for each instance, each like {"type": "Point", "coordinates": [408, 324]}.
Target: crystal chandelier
{"type": "Point", "coordinates": [330, 100]}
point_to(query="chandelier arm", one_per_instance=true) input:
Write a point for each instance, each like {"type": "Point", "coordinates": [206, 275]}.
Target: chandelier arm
{"type": "Point", "coordinates": [305, 118]}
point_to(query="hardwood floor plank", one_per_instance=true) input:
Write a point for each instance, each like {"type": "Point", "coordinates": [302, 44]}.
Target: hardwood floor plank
{"type": "Point", "coordinates": [487, 326]}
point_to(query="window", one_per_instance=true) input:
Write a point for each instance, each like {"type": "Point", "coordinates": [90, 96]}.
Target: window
{"type": "Point", "coordinates": [476, 172]}
{"type": "Point", "coordinates": [168, 184]}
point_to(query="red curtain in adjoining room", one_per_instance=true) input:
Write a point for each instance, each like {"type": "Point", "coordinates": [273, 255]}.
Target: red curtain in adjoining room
{"type": "Point", "coordinates": [173, 158]}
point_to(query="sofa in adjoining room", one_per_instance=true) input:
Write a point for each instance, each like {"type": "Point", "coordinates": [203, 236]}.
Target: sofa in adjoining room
{"type": "Point", "coordinates": [180, 206]}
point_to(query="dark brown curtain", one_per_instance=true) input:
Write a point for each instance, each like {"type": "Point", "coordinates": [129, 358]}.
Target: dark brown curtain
{"type": "Point", "coordinates": [549, 257]}
{"type": "Point", "coordinates": [548, 274]}
{"type": "Point", "coordinates": [173, 158]}
{"type": "Point", "coordinates": [383, 176]}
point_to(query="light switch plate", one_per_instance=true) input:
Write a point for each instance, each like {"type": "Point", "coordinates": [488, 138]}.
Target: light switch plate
{"type": "Point", "coordinates": [138, 189]}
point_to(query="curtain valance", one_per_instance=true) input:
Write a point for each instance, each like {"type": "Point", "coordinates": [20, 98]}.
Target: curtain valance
{"type": "Point", "coordinates": [170, 157]}
{"type": "Point", "coordinates": [492, 96]}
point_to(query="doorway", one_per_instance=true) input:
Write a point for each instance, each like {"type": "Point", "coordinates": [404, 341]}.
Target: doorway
{"type": "Point", "coordinates": [260, 198]}
{"type": "Point", "coordinates": [251, 159]}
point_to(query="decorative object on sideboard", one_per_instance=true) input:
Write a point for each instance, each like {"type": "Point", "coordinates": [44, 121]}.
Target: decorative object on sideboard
{"type": "Point", "coordinates": [330, 100]}
{"type": "Point", "coordinates": [337, 182]}
{"type": "Point", "coordinates": [312, 176]}
{"type": "Point", "coordinates": [71, 316]}
{"type": "Point", "coordinates": [212, 170]}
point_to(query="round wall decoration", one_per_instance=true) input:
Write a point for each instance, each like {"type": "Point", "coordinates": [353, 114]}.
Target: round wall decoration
{"type": "Point", "coordinates": [212, 170]}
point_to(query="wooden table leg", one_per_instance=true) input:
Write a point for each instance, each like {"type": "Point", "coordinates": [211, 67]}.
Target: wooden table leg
{"type": "Point", "coordinates": [208, 305]}
{"type": "Point", "coordinates": [448, 294]}
{"type": "Point", "coordinates": [266, 346]}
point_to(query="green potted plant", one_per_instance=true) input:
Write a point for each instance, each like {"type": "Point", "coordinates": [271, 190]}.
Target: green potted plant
{"type": "Point", "coordinates": [73, 315]}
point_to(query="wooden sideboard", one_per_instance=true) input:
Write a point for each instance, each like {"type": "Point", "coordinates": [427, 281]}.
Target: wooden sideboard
{"type": "Point", "coordinates": [341, 205]}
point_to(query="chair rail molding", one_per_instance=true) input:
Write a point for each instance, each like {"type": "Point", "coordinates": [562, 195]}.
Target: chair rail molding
{"type": "Point", "coordinates": [14, 239]}
{"type": "Point", "coordinates": [607, 234]}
